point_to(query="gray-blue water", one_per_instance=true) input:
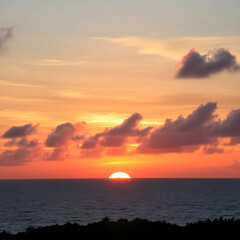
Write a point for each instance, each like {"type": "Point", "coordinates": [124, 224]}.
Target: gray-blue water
{"type": "Point", "coordinates": [25, 203]}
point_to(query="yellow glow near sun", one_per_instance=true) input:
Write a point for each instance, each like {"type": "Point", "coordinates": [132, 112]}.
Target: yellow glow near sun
{"type": "Point", "coordinates": [119, 175]}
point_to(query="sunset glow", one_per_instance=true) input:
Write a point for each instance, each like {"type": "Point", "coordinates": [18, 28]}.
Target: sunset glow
{"type": "Point", "coordinates": [86, 91]}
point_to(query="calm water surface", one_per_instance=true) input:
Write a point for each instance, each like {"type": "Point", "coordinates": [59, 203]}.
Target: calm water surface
{"type": "Point", "coordinates": [25, 203]}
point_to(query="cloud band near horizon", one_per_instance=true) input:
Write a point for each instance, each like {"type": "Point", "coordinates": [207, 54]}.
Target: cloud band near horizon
{"type": "Point", "coordinates": [201, 129]}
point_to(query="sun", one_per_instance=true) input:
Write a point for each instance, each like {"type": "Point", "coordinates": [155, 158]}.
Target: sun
{"type": "Point", "coordinates": [119, 175]}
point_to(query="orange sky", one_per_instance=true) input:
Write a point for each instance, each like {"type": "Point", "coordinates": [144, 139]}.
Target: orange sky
{"type": "Point", "coordinates": [82, 79]}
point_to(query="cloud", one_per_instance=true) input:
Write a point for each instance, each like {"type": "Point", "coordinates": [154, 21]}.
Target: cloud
{"type": "Point", "coordinates": [91, 142]}
{"type": "Point", "coordinates": [5, 35]}
{"type": "Point", "coordinates": [173, 48]}
{"type": "Point", "coordinates": [23, 142]}
{"type": "Point", "coordinates": [113, 141]}
{"type": "Point", "coordinates": [194, 65]}
{"type": "Point", "coordinates": [27, 151]}
{"type": "Point", "coordinates": [183, 134]}
{"type": "Point", "coordinates": [64, 133]}
{"type": "Point", "coordinates": [230, 127]}
{"type": "Point", "coordinates": [115, 137]}
{"type": "Point", "coordinates": [29, 144]}
{"type": "Point", "coordinates": [56, 62]}
{"type": "Point", "coordinates": [59, 153]}
{"type": "Point", "coordinates": [78, 138]}
{"type": "Point", "coordinates": [20, 131]}
{"type": "Point", "coordinates": [16, 157]}
{"type": "Point", "coordinates": [199, 130]}
{"type": "Point", "coordinates": [61, 138]}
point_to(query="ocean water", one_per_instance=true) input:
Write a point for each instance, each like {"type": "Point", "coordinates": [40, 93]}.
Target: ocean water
{"type": "Point", "coordinates": [25, 203]}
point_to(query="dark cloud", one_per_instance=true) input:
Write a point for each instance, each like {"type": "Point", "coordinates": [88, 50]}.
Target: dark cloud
{"type": "Point", "coordinates": [20, 131]}
{"type": "Point", "coordinates": [5, 35]}
{"type": "Point", "coordinates": [194, 65]}
{"type": "Point", "coordinates": [27, 151]}
{"type": "Point", "coordinates": [128, 127]}
{"type": "Point", "coordinates": [113, 141]}
{"type": "Point", "coordinates": [201, 128]}
{"type": "Point", "coordinates": [59, 153]}
{"type": "Point", "coordinates": [63, 133]}
{"type": "Point", "coordinates": [183, 134]}
{"type": "Point", "coordinates": [230, 127]}
{"type": "Point", "coordinates": [28, 144]}
{"type": "Point", "coordinates": [116, 137]}
{"type": "Point", "coordinates": [61, 138]}
{"type": "Point", "coordinates": [16, 157]}
{"type": "Point", "coordinates": [91, 142]}
{"type": "Point", "coordinates": [23, 142]}
{"type": "Point", "coordinates": [78, 138]}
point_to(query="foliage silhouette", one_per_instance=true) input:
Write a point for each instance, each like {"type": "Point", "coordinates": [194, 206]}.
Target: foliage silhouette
{"type": "Point", "coordinates": [137, 228]}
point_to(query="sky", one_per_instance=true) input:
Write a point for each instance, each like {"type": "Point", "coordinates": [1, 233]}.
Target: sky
{"type": "Point", "coordinates": [147, 87]}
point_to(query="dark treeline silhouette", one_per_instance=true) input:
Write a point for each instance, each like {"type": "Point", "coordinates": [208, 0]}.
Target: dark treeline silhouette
{"type": "Point", "coordinates": [137, 228]}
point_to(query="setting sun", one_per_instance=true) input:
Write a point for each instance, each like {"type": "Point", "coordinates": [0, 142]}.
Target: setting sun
{"type": "Point", "coordinates": [119, 175]}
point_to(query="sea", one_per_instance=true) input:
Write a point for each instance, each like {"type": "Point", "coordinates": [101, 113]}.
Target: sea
{"type": "Point", "coordinates": [33, 203]}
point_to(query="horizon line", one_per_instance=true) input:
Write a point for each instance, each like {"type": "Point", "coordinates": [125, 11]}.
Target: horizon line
{"type": "Point", "coordinates": [132, 178]}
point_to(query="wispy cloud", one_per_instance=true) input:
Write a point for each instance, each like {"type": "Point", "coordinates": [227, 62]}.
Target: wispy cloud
{"type": "Point", "coordinates": [174, 48]}
{"type": "Point", "coordinates": [17, 84]}
{"type": "Point", "coordinates": [119, 162]}
{"type": "Point", "coordinates": [24, 115]}
{"type": "Point", "coordinates": [56, 62]}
